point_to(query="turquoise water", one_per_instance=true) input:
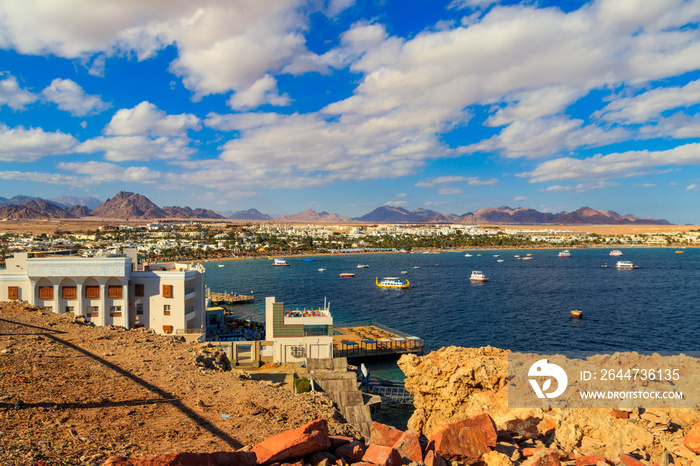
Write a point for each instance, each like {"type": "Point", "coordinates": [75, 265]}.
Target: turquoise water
{"type": "Point", "coordinates": [525, 305]}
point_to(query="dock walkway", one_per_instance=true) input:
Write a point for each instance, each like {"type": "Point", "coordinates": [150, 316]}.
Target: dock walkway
{"type": "Point", "coordinates": [370, 340]}
{"type": "Point", "coordinates": [229, 298]}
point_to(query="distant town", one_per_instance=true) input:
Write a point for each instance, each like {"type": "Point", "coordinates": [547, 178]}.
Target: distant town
{"type": "Point", "coordinates": [199, 240]}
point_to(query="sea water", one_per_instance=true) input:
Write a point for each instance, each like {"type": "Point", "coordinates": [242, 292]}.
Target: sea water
{"type": "Point", "coordinates": [525, 305]}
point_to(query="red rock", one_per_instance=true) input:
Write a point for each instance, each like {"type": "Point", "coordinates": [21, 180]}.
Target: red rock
{"type": "Point", "coordinates": [543, 457]}
{"type": "Point", "coordinates": [382, 456]}
{"type": "Point", "coordinates": [381, 434]}
{"type": "Point", "coordinates": [352, 452]}
{"type": "Point", "coordinates": [526, 427]}
{"type": "Point", "coordinates": [618, 413]}
{"type": "Point", "coordinates": [692, 439]}
{"type": "Point", "coordinates": [627, 460]}
{"type": "Point", "coordinates": [590, 460]}
{"type": "Point", "coordinates": [338, 440]}
{"type": "Point", "coordinates": [235, 458]}
{"type": "Point", "coordinates": [503, 436]}
{"type": "Point", "coordinates": [433, 459]}
{"type": "Point", "coordinates": [408, 446]}
{"type": "Point", "coordinates": [466, 440]}
{"type": "Point", "coordinates": [528, 451]}
{"type": "Point", "coordinates": [294, 443]}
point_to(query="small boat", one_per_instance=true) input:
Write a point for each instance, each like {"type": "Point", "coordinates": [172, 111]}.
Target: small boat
{"type": "Point", "coordinates": [499, 260]}
{"type": "Point", "coordinates": [221, 265]}
{"type": "Point", "coordinates": [677, 252]}
{"type": "Point", "coordinates": [467, 255]}
{"type": "Point", "coordinates": [392, 282]}
{"type": "Point", "coordinates": [565, 253]}
{"type": "Point", "coordinates": [496, 255]}
{"type": "Point", "coordinates": [625, 265]}
{"type": "Point", "coordinates": [527, 258]}
{"type": "Point", "coordinates": [416, 267]}
{"type": "Point", "coordinates": [615, 252]}
{"type": "Point", "coordinates": [576, 314]}
{"type": "Point", "coordinates": [478, 276]}
{"type": "Point", "coordinates": [362, 266]}
{"type": "Point", "coordinates": [605, 266]}
{"type": "Point", "coordinates": [517, 255]}
{"type": "Point", "coordinates": [404, 272]}
{"type": "Point", "coordinates": [347, 274]}
{"type": "Point", "coordinates": [280, 263]}
{"type": "Point", "coordinates": [321, 270]}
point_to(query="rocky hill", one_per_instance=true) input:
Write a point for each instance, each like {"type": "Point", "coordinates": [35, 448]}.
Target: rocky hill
{"type": "Point", "coordinates": [187, 212]}
{"type": "Point", "coordinates": [72, 393]}
{"type": "Point", "coordinates": [67, 201]}
{"type": "Point", "coordinates": [33, 209]}
{"type": "Point", "coordinates": [250, 214]}
{"type": "Point", "coordinates": [312, 216]}
{"type": "Point", "coordinates": [129, 205]}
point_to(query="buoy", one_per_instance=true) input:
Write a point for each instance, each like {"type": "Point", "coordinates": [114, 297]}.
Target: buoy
{"type": "Point", "coordinates": [576, 314]}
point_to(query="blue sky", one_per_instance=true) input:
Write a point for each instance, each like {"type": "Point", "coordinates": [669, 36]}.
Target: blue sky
{"type": "Point", "coordinates": [347, 105]}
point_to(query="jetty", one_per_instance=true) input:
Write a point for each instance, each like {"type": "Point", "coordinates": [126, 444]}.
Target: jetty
{"type": "Point", "coordinates": [368, 341]}
{"type": "Point", "coordinates": [218, 299]}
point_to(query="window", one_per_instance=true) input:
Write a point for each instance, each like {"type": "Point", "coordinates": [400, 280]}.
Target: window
{"type": "Point", "coordinates": [139, 308]}
{"type": "Point", "coordinates": [46, 292]}
{"type": "Point", "coordinates": [167, 291]}
{"type": "Point", "coordinates": [92, 291]}
{"type": "Point", "coordinates": [166, 309]}
{"type": "Point", "coordinates": [92, 311]}
{"type": "Point", "coordinates": [13, 292]}
{"type": "Point", "coordinates": [69, 292]}
{"type": "Point", "coordinates": [48, 308]}
{"type": "Point", "coordinates": [70, 309]}
{"type": "Point", "coordinates": [114, 291]}
{"type": "Point", "coordinates": [138, 291]}
{"type": "Point", "coordinates": [115, 311]}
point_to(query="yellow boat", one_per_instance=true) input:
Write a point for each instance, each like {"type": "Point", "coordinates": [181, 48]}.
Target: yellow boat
{"type": "Point", "coordinates": [392, 282]}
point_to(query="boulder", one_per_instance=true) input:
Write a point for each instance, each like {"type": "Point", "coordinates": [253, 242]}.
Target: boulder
{"type": "Point", "coordinates": [692, 439]}
{"type": "Point", "coordinates": [408, 446]}
{"type": "Point", "coordinates": [338, 440]}
{"type": "Point", "coordinates": [543, 457]}
{"type": "Point", "coordinates": [235, 458]}
{"type": "Point", "coordinates": [526, 427]}
{"type": "Point", "coordinates": [381, 434]}
{"type": "Point", "coordinates": [294, 443]}
{"type": "Point", "coordinates": [627, 460]}
{"type": "Point", "coordinates": [352, 452]}
{"type": "Point", "coordinates": [590, 460]}
{"type": "Point", "coordinates": [382, 456]}
{"type": "Point", "coordinates": [433, 459]}
{"type": "Point", "coordinates": [494, 458]}
{"type": "Point", "coordinates": [466, 440]}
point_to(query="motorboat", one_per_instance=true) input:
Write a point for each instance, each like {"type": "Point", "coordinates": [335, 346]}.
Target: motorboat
{"type": "Point", "coordinates": [347, 274]}
{"type": "Point", "coordinates": [467, 255]}
{"type": "Point", "coordinates": [576, 314]}
{"type": "Point", "coordinates": [404, 272]}
{"type": "Point", "coordinates": [321, 270]}
{"type": "Point", "coordinates": [280, 263]}
{"type": "Point", "coordinates": [625, 265]}
{"type": "Point", "coordinates": [615, 252]}
{"type": "Point", "coordinates": [565, 253]}
{"type": "Point", "coordinates": [392, 282]}
{"type": "Point", "coordinates": [478, 276]}
{"type": "Point", "coordinates": [362, 266]}
{"type": "Point", "coordinates": [221, 265]}
{"type": "Point", "coordinates": [527, 258]}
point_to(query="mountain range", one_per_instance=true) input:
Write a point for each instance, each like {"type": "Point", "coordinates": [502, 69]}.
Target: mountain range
{"type": "Point", "coordinates": [126, 205]}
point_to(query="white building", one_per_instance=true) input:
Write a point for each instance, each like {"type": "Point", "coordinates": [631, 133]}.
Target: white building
{"type": "Point", "coordinates": [298, 334]}
{"type": "Point", "coordinates": [110, 290]}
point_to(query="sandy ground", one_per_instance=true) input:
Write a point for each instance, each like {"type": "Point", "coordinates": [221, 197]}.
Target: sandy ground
{"type": "Point", "coordinates": [76, 394]}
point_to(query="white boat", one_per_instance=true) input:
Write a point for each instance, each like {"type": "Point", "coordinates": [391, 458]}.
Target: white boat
{"type": "Point", "coordinates": [478, 276]}
{"type": "Point", "coordinates": [499, 260]}
{"type": "Point", "coordinates": [280, 263]}
{"type": "Point", "coordinates": [321, 270]}
{"type": "Point", "coordinates": [404, 272]}
{"type": "Point", "coordinates": [565, 253]}
{"type": "Point", "coordinates": [392, 282]}
{"type": "Point", "coordinates": [615, 253]}
{"type": "Point", "coordinates": [221, 265]}
{"type": "Point", "coordinates": [496, 255]}
{"type": "Point", "coordinates": [625, 265]}
{"type": "Point", "coordinates": [467, 255]}
{"type": "Point", "coordinates": [527, 258]}
{"type": "Point", "coordinates": [416, 267]}
{"type": "Point", "coordinates": [362, 266]}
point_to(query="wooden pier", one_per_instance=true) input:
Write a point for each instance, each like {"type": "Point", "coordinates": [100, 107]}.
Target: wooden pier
{"type": "Point", "coordinates": [229, 298]}
{"type": "Point", "coordinates": [363, 342]}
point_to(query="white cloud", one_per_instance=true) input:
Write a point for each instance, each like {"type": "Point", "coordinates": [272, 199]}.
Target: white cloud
{"type": "Point", "coordinates": [651, 104]}
{"type": "Point", "coordinates": [29, 145]}
{"type": "Point", "coordinates": [460, 4]}
{"type": "Point", "coordinates": [520, 198]}
{"type": "Point", "coordinates": [335, 7]}
{"type": "Point", "coordinates": [449, 191]}
{"type": "Point", "coordinates": [470, 180]}
{"type": "Point", "coordinates": [130, 148]}
{"type": "Point", "coordinates": [12, 95]}
{"type": "Point", "coordinates": [624, 164]}
{"type": "Point", "coordinates": [103, 172]}
{"type": "Point", "coordinates": [51, 178]}
{"type": "Point", "coordinates": [70, 97]}
{"type": "Point", "coordinates": [262, 91]}
{"type": "Point", "coordinates": [692, 187]}
{"type": "Point", "coordinates": [147, 119]}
